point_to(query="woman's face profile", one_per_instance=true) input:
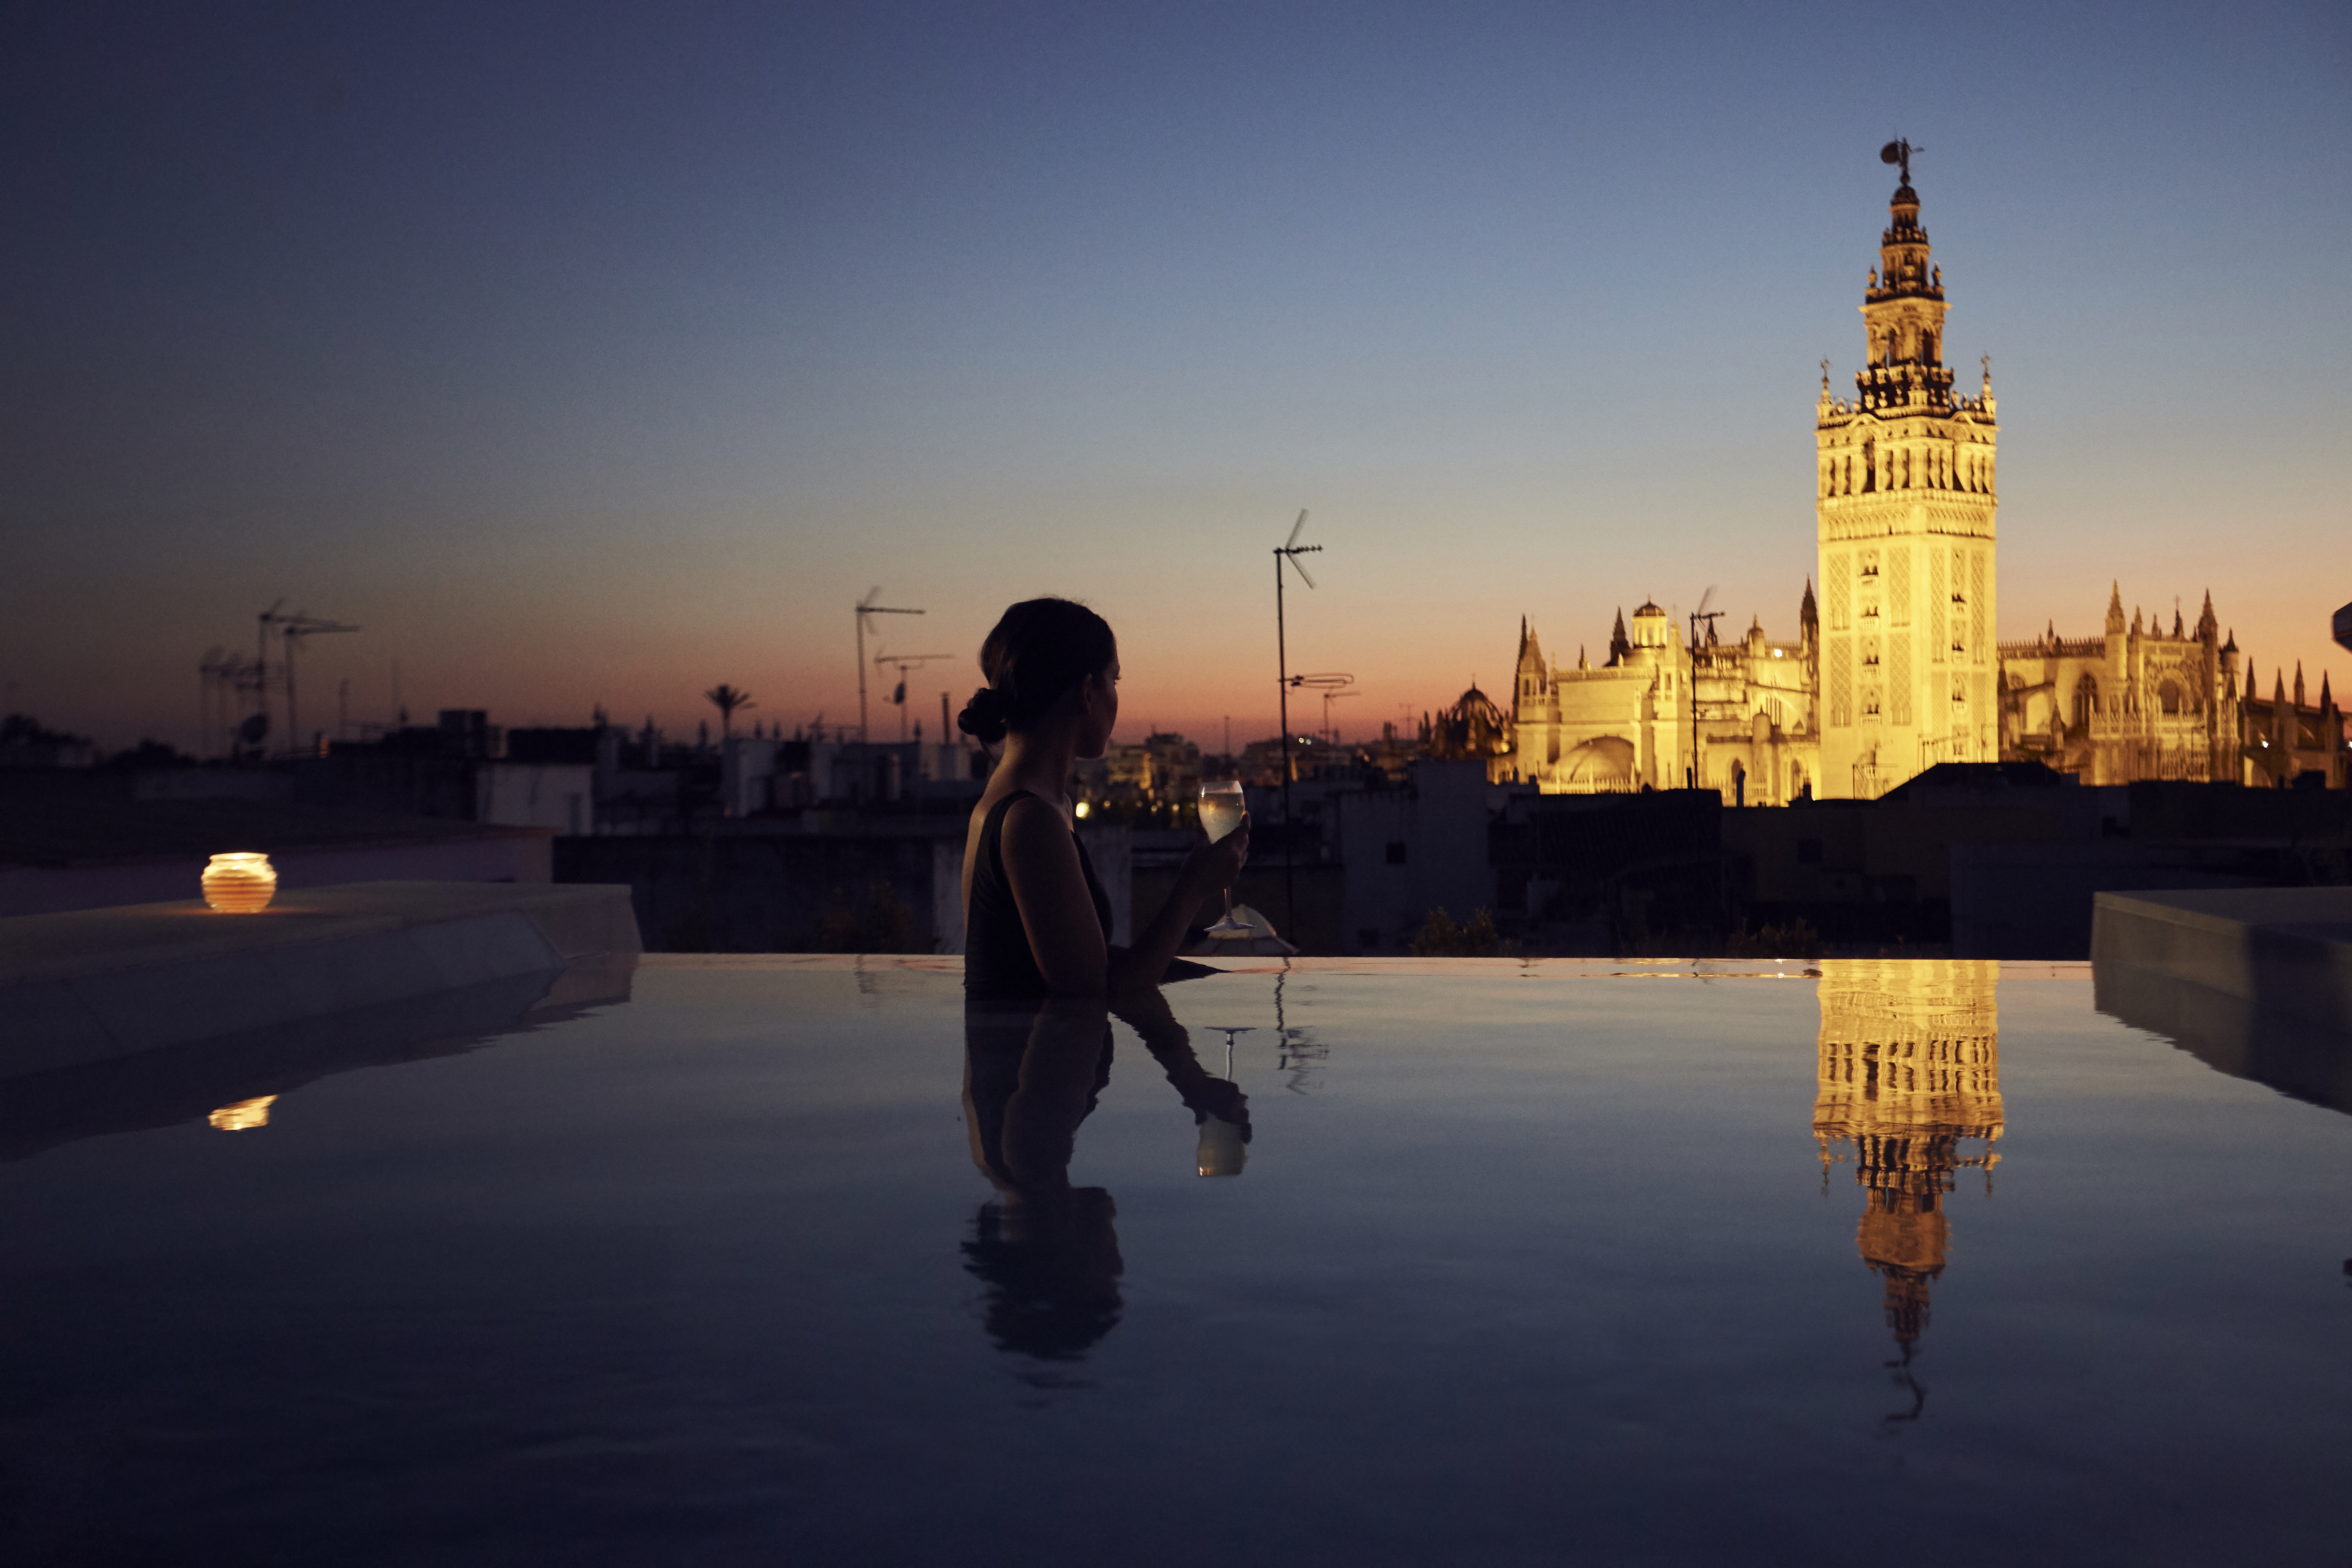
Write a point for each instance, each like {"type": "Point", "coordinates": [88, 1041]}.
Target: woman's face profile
{"type": "Point", "coordinates": [1101, 713]}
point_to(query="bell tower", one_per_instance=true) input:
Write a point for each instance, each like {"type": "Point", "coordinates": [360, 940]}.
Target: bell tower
{"type": "Point", "coordinates": [1904, 499]}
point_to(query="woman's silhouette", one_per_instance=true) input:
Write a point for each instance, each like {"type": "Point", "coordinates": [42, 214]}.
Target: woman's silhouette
{"type": "Point", "coordinates": [1046, 1250]}
{"type": "Point", "coordinates": [1037, 920]}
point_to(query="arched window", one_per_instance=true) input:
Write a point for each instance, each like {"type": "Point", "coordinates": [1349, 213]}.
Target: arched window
{"type": "Point", "coordinates": [2167, 696]}
{"type": "Point", "coordinates": [1869, 463]}
{"type": "Point", "coordinates": [2086, 701]}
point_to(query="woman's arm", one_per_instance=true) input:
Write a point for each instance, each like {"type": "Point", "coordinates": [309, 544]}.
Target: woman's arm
{"type": "Point", "coordinates": [1049, 889]}
{"type": "Point", "coordinates": [1209, 867]}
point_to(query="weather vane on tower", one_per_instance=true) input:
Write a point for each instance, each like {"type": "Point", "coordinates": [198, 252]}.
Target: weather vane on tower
{"type": "Point", "coordinates": [1899, 152]}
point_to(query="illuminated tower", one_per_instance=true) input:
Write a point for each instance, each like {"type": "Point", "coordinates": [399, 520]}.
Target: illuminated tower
{"type": "Point", "coordinates": [1909, 1068]}
{"type": "Point", "coordinates": [1905, 499]}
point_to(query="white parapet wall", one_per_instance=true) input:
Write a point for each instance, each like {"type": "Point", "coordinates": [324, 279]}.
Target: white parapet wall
{"type": "Point", "coordinates": [91, 985]}
{"type": "Point", "coordinates": [2284, 950]}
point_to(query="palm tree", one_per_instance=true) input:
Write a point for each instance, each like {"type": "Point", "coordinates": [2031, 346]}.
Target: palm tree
{"type": "Point", "coordinates": [727, 699]}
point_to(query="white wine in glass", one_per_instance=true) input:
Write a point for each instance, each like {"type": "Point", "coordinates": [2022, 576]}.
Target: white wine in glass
{"type": "Point", "coordinates": [1220, 813]}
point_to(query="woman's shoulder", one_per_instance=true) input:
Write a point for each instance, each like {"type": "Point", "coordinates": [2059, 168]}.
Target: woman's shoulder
{"type": "Point", "coordinates": [1025, 815]}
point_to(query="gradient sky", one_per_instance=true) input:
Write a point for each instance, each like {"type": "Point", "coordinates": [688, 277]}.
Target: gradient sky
{"type": "Point", "coordinates": [600, 352]}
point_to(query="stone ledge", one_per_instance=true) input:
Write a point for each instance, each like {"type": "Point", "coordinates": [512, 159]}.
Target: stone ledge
{"type": "Point", "coordinates": [2284, 950]}
{"type": "Point", "coordinates": [94, 984]}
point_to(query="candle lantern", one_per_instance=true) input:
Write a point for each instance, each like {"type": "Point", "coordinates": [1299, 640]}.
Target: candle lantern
{"type": "Point", "coordinates": [241, 883]}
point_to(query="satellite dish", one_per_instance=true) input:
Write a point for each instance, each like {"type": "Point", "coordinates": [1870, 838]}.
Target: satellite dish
{"type": "Point", "coordinates": [1891, 153]}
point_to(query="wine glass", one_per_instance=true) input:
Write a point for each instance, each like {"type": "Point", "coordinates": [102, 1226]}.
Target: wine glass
{"type": "Point", "coordinates": [1220, 813]}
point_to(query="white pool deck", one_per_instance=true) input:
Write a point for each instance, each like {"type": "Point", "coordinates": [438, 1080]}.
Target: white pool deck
{"type": "Point", "coordinates": [93, 984]}
{"type": "Point", "coordinates": [2284, 950]}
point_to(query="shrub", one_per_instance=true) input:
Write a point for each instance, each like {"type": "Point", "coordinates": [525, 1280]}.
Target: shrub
{"type": "Point", "coordinates": [1440, 937]}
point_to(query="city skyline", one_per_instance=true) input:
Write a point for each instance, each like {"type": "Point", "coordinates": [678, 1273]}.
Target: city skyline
{"type": "Point", "coordinates": [601, 355]}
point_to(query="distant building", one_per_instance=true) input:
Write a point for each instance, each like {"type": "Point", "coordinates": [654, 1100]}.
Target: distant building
{"type": "Point", "coordinates": [1627, 725]}
{"type": "Point", "coordinates": [1895, 669]}
{"type": "Point", "coordinates": [2289, 742]}
{"type": "Point", "coordinates": [2134, 704]}
{"type": "Point", "coordinates": [1905, 503]}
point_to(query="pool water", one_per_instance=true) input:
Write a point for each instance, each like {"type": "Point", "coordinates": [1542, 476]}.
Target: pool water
{"type": "Point", "coordinates": [790, 1262]}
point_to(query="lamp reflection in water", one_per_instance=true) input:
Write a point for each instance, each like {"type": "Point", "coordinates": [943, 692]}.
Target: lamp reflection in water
{"type": "Point", "coordinates": [1045, 1250]}
{"type": "Point", "coordinates": [241, 882]}
{"type": "Point", "coordinates": [1909, 1070]}
{"type": "Point", "coordinates": [244, 1115]}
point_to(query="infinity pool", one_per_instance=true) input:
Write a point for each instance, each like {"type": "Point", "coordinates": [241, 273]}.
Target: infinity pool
{"type": "Point", "coordinates": [779, 1262]}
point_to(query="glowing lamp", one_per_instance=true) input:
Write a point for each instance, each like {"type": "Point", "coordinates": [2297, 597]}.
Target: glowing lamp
{"type": "Point", "coordinates": [240, 883]}
{"type": "Point", "coordinates": [1082, 808]}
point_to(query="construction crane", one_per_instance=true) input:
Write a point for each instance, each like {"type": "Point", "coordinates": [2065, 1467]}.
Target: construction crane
{"type": "Point", "coordinates": [294, 633]}
{"type": "Point", "coordinates": [222, 677]}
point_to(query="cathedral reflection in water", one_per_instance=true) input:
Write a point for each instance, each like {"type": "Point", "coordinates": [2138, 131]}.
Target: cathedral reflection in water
{"type": "Point", "coordinates": [1909, 1093]}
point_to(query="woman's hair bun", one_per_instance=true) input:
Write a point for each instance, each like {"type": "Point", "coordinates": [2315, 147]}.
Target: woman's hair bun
{"type": "Point", "coordinates": [986, 717]}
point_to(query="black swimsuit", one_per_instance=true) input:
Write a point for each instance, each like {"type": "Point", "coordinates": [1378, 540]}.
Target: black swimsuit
{"type": "Point", "coordinates": [998, 964]}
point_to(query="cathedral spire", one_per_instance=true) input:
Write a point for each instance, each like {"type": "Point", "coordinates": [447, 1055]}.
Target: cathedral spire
{"type": "Point", "coordinates": [1903, 315]}
{"type": "Point", "coordinates": [2116, 610]}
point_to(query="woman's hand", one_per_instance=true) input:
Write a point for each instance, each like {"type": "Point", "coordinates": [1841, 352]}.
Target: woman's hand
{"type": "Point", "coordinates": [1219, 865]}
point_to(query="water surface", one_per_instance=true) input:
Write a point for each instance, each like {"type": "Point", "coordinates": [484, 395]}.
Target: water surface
{"type": "Point", "coordinates": [1927, 1259]}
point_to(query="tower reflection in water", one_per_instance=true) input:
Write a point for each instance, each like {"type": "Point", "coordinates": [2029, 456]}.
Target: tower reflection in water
{"type": "Point", "coordinates": [1909, 1093]}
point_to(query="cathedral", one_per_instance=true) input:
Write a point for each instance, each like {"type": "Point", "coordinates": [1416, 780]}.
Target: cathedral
{"type": "Point", "coordinates": [1895, 666]}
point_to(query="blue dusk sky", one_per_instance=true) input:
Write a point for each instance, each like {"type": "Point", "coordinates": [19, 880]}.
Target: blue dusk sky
{"type": "Point", "coordinates": [596, 354]}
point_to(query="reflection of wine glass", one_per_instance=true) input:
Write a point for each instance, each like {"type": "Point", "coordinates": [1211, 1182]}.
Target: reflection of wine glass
{"type": "Point", "coordinates": [1223, 1150]}
{"type": "Point", "coordinates": [1220, 813]}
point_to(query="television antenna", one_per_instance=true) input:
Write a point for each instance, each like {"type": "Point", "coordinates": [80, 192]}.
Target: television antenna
{"type": "Point", "coordinates": [1289, 550]}
{"type": "Point", "coordinates": [294, 633]}
{"type": "Point", "coordinates": [867, 606]}
{"type": "Point", "coordinates": [902, 663]}
{"type": "Point", "coordinates": [1704, 612]}
{"type": "Point", "coordinates": [1332, 686]}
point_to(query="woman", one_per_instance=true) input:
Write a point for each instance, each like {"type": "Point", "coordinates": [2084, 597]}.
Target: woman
{"type": "Point", "coordinates": [1037, 921]}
